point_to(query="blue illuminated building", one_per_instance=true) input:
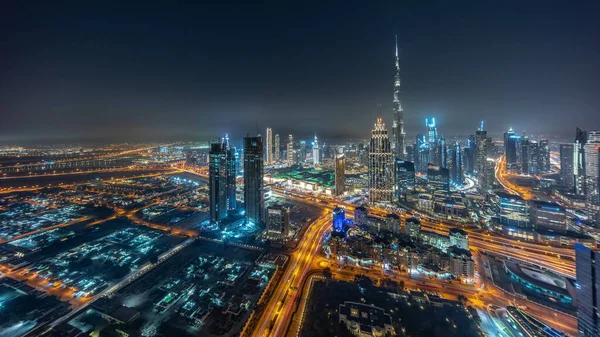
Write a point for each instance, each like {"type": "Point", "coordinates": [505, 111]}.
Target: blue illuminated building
{"type": "Point", "coordinates": [548, 216]}
{"type": "Point", "coordinates": [339, 218]}
{"type": "Point", "coordinates": [254, 199]}
{"type": "Point", "coordinates": [587, 284]}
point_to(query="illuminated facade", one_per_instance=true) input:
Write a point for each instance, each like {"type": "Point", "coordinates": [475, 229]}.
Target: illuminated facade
{"type": "Point", "coordinates": [592, 168]}
{"type": "Point", "coordinates": [398, 134]}
{"type": "Point", "coordinates": [567, 173]}
{"type": "Point", "coordinates": [269, 147]}
{"type": "Point", "coordinates": [217, 181]}
{"type": "Point", "coordinates": [405, 178]}
{"type": "Point", "coordinates": [381, 165]}
{"type": "Point", "coordinates": [514, 211]}
{"type": "Point", "coordinates": [511, 144]}
{"type": "Point", "coordinates": [278, 221]}
{"type": "Point", "coordinates": [548, 216]}
{"type": "Point", "coordinates": [232, 164]}
{"type": "Point", "coordinates": [290, 151]}
{"type": "Point", "coordinates": [481, 155]}
{"type": "Point", "coordinates": [543, 155]}
{"type": "Point", "coordinates": [438, 178]}
{"type": "Point", "coordinates": [340, 174]}
{"type": "Point", "coordinates": [588, 290]}
{"type": "Point", "coordinates": [339, 218]}
{"type": "Point", "coordinates": [456, 169]}
{"type": "Point", "coordinates": [579, 161]}
{"type": "Point", "coordinates": [277, 149]}
{"type": "Point", "coordinates": [316, 152]}
{"type": "Point", "coordinates": [253, 180]}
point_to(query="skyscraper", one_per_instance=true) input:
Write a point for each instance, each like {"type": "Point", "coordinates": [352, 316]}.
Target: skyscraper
{"type": "Point", "coordinates": [481, 158]}
{"type": "Point", "coordinates": [526, 157]}
{"type": "Point", "coordinates": [443, 152]}
{"type": "Point", "coordinates": [290, 151]}
{"type": "Point", "coordinates": [456, 170]}
{"type": "Point", "coordinates": [232, 163]}
{"type": "Point", "coordinates": [567, 174]}
{"type": "Point", "coordinates": [253, 180]}
{"type": "Point", "coordinates": [579, 161]}
{"type": "Point", "coordinates": [381, 166]}
{"type": "Point", "coordinates": [544, 155]}
{"type": "Point", "coordinates": [592, 169]}
{"type": "Point", "coordinates": [277, 149]}
{"type": "Point", "coordinates": [588, 290]}
{"type": "Point", "coordinates": [398, 133]}
{"type": "Point", "coordinates": [217, 180]}
{"type": "Point", "coordinates": [432, 142]}
{"type": "Point", "coordinates": [340, 173]}
{"type": "Point", "coordinates": [278, 221]}
{"type": "Point", "coordinates": [511, 141]}
{"type": "Point", "coordinates": [316, 153]}
{"type": "Point", "coordinates": [269, 147]}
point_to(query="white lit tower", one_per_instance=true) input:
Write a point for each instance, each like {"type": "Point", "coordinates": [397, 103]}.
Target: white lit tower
{"type": "Point", "coordinates": [398, 133]}
{"type": "Point", "coordinates": [316, 152]}
{"type": "Point", "coordinates": [269, 147]}
{"type": "Point", "coordinates": [381, 165]}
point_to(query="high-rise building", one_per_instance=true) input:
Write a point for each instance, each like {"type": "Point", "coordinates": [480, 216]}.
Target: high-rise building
{"type": "Point", "coordinates": [470, 154]}
{"type": "Point", "coordinates": [579, 161]}
{"type": "Point", "coordinates": [422, 153]}
{"type": "Point", "coordinates": [253, 180]}
{"type": "Point", "coordinates": [567, 173]}
{"type": "Point", "coordinates": [587, 271]}
{"type": "Point", "coordinates": [544, 155]}
{"type": "Point", "coordinates": [432, 142]}
{"type": "Point", "coordinates": [269, 147]}
{"type": "Point", "coordinates": [511, 143]}
{"type": "Point", "coordinates": [277, 149]}
{"type": "Point", "coordinates": [392, 223]}
{"type": "Point", "coordinates": [217, 181]}
{"type": "Point", "coordinates": [278, 221]}
{"type": "Point", "coordinates": [316, 152]}
{"type": "Point", "coordinates": [398, 134]}
{"type": "Point", "coordinates": [592, 169]}
{"type": "Point", "coordinates": [381, 165]}
{"type": "Point", "coordinates": [438, 178]}
{"type": "Point", "coordinates": [232, 165]}
{"type": "Point", "coordinates": [290, 151]}
{"type": "Point", "coordinates": [405, 178]}
{"type": "Point", "coordinates": [526, 157]}
{"type": "Point", "coordinates": [340, 173]}
{"type": "Point", "coordinates": [456, 169]}
{"type": "Point", "coordinates": [443, 152]}
{"type": "Point", "coordinates": [481, 158]}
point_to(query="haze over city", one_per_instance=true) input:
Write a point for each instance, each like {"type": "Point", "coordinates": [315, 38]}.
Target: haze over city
{"type": "Point", "coordinates": [109, 71]}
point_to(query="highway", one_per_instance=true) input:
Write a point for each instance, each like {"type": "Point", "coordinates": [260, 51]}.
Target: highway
{"type": "Point", "coordinates": [274, 319]}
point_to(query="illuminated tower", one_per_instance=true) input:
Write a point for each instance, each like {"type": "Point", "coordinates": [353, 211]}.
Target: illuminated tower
{"type": "Point", "coordinates": [340, 173]}
{"type": "Point", "coordinates": [381, 165]}
{"type": "Point", "coordinates": [253, 180]}
{"type": "Point", "coordinates": [269, 147]}
{"type": "Point", "coordinates": [277, 149]}
{"type": "Point", "coordinates": [217, 181]}
{"type": "Point", "coordinates": [579, 161]}
{"type": "Point", "coordinates": [290, 151]}
{"type": "Point", "coordinates": [481, 155]}
{"type": "Point", "coordinates": [316, 152]}
{"type": "Point", "coordinates": [587, 269]}
{"type": "Point", "coordinates": [398, 133]}
{"type": "Point", "coordinates": [231, 160]}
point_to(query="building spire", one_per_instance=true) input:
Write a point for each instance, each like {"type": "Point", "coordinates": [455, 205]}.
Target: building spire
{"type": "Point", "coordinates": [398, 134]}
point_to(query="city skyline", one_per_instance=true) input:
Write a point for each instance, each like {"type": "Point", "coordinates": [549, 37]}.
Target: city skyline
{"type": "Point", "coordinates": [133, 81]}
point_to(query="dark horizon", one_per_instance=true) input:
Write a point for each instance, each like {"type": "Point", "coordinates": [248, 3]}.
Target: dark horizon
{"type": "Point", "coordinates": [143, 73]}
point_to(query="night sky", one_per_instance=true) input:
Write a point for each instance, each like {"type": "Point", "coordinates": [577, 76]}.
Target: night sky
{"type": "Point", "coordinates": [155, 72]}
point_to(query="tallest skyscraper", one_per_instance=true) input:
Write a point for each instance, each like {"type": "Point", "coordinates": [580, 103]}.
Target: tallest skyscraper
{"type": "Point", "coordinates": [398, 135]}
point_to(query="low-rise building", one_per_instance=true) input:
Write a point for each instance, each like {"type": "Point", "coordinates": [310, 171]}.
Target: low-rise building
{"type": "Point", "coordinates": [365, 320]}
